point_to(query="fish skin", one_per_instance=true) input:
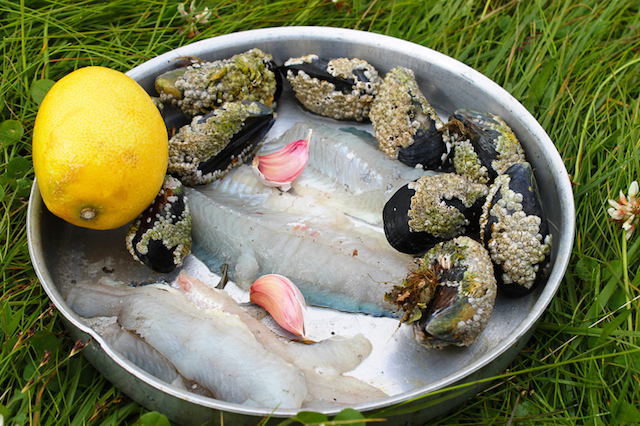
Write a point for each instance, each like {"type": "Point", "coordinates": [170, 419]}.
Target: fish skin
{"type": "Point", "coordinates": [334, 263]}
{"type": "Point", "coordinates": [139, 352]}
{"type": "Point", "coordinates": [144, 356]}
{"type": "Point", "coordinates": [229, 361]}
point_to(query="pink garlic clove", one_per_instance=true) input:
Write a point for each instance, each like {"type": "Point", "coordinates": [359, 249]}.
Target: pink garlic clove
{"type": "Point", "coordinates": [281, 168]}
{"type": "Point", "coordinates": [283, 300]}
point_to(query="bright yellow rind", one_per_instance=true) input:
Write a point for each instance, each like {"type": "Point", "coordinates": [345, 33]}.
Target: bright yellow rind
{"type": "Point", "coordinates": [99, 143]}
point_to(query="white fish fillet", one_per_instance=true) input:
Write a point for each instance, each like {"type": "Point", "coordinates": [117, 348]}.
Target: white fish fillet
{"type": "Point", "coordinates": [346, 171]}
{"type": "Point", "coordinates": [138, 352]}
{"type": "Point", "coordinates": [211, 348]}
{"type": "Point", "coordinates": [141, 354]}
{"type": "Point", "coordinates": [334, 263]}
{"type": "Point", "coordinates": [322, 363]}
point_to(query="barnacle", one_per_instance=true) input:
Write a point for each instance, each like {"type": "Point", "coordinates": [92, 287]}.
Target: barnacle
{"type": "Point", "coordinates": [432, 209]}
{"type": "Point", "coordinates": [515, 231]}
{"type": "Point", "coordinates": [483, 145]}
{"type": "Point", "coordinates": [450, 298]}
{"type": "Point", "coordinates": [161, 236]}
{"type": "Point", "coordinates": [406, 125]}
{"type": "Point", "coordinates": [203, 86]}
{"type": "Point", "coordinates": [341, 88]}
{"type": "Point", "coordinates": [213, 144]}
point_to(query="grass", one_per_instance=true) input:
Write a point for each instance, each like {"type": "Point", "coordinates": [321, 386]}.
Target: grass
{"type": "Point", "coordinates": [575, 66]}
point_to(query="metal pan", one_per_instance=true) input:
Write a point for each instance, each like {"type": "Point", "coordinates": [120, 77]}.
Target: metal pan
{"type": "Point", "coordinates": [63, 254]}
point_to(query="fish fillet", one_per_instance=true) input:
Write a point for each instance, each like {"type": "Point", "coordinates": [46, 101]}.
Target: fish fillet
{"type": "Point", "coordinates": [212, 348]}
{"type": "Point", "coordinates": [334, 263]}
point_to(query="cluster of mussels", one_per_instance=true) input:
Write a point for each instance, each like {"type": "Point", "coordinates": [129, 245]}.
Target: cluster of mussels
{"type": "Point", "coordinates": [478, 225]}
{"type": "Point", "coordinates": [230, 103]}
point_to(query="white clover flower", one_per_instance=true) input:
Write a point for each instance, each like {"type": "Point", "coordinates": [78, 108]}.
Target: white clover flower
{"type": "Point", "coordinates": [193, 18]}
{"type": "Point", "coordinates": [626, 210]}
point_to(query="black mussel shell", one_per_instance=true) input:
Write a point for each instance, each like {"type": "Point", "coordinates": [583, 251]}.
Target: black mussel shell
{"type": "Point", "coordinates": [430, 210]}
{"type": "Point", "coordinates": [246, 140]}
{"type": "Point", "coordinates": [484, 146]}
{"type": "Point", "coordinates": [515, 231]}
{"type": "Point", "coordinates": [405, 124]}
{"type": "Point", "coordinates": [161, 236]}
{"type": "Point", "coordinates": [429, 148]}
{"type": "Point", "coordinates": [340, 88]}
{"type": "Point", "coordinates": [273, 67]}
{"type": "Point", "coordinates": [213, 144]}
{"type": "Point", "coordinates": [395, 217]}
{"type": "Point", "coordinates": [317, 68]}
{"type": "Point", "coordinates": [450, 298]}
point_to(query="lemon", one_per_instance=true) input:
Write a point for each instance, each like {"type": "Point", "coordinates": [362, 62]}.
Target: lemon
{"type": "Point", "coordinates": [100, 148]}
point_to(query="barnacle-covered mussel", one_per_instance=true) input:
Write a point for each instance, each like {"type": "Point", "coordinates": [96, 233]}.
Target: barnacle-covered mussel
{"type": "Point", "coordinates": [450, 297]}
{"type": "Point", "coordinates": [432, 209]}
{"type": "Point", "coordinates": [203, 86]}
{"type": "Point", "coordinates": [405, 124]}
{"type": "Point", "coordinates": [340, 88]}
{"type": "Point", "coordinates": [161, 236]}
{"type": "Point", "coordinates": [515, 231]}
{"type": "Point", "coordinates": [483, 145]}
{"type": "Point", "coordinates": [213, 144]}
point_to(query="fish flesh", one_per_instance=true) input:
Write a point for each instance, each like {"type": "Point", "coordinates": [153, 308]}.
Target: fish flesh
{"type": "Point", "coordinates": [143, 355]}
{"type": "Point", "coordinates": [347, 171]}
{"type": "Point", "coordinates": [189, 334]}
{"type": "Point", "coordinates": [212, 348]}
{"type": "Point", "coordinates": [335, 263]}
{"type": "Point", "coordinates": [322, 363]}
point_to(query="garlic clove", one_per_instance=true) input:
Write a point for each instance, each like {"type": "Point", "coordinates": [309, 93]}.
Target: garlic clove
{"type": "Point", "coordinates": [283, 300]}
{"type": "Point", "coordinates": [282, 167]}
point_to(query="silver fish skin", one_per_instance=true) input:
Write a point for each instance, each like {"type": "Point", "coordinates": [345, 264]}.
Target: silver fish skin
{"type": "Point", "coordinates": [346, 171]}
{"type": "Point", "coordinates": [211, 348]}
{"type": "Point", "coordinates": [136, 350]}
{"type": "Point", "coordinates": [334, 263]}
{"type": "Point", "coordinates": [322, 363]}
{"type": "Point", "coordinates": [139, 352]}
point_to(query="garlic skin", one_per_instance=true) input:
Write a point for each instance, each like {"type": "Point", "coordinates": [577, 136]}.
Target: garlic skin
{"type": "Point", "coordinates": [283, 300]}
{"type": "Point", "coordinates": [282, 167]}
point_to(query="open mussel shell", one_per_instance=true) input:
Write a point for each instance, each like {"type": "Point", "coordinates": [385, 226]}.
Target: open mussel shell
{"type": "Point", "coordinates": [203, 86]}
{"type": "Point", "coordinates": [450, 298]}
{"type": "Point", "coordinates": [161, 236]}
{"type": "Point", "coordinates": [484, 146]}
{"type": "Point", "coordinates": [430, 210]}
{"type": "Point", "coordinates": [340, 88]}
{"type": "Point", "coordinates": [213, 144]}
{"type": "Point", "coordinates": [515, 231]}
{"type": "Point", "coordinates": [405, 124]}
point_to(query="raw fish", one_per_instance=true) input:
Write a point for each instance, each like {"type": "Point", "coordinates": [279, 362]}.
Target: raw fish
{"type": "Point", "coordinates": [334, 263]}
{"type": "Point", "coordinates": [138, 352]}
{"type": "Point", "coordinates": [322, 363]}
{"type": "Point", "coordinates": [212, 348]}
{"type": "Point", "coordinates": [141, 354]}
{"type": "Point", "coordinates": [346, 171]}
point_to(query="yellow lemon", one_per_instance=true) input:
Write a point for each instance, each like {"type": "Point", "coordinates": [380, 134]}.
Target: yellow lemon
{"type": "Point", "coordinates": [100, 148]}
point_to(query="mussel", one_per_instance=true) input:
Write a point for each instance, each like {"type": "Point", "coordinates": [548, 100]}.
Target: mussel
{"type": "Point", "coordinates": [213, 144]}
{"type": "Point", "coordinates": [161, 236]}
{"type": "Point", "coordinates": [515, 231]}
{"type": "Point", "coordinates": [340, 88]}
{"type": "Point", "coordinates": [483, 145]}
{"type": "Point", "coordinates": [405, 124]}
{"type": "Point", "coordinates": [430, 210]}
{"type": "Point", "coordinates": [450, 297]}
{"type": "Point", "coordinates": [203, 86]}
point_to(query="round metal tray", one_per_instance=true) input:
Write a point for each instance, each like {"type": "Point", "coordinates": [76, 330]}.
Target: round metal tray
{"type": "Point", "coordinates": [63, 254]}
